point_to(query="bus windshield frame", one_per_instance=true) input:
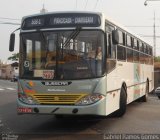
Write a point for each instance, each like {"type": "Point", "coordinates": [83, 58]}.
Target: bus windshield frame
{"type": "Point", "coordinates": [62, 54]}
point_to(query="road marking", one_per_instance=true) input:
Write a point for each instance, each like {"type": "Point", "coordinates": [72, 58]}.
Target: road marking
{"type": "Point", "coordinates": [11, 88]}
{"type": "Point", "coordinates": [7, 88]}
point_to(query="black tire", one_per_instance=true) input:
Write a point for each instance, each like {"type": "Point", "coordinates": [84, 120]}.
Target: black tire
{"type": "Point", "coordinates": [122, 103]}
{"type": "Point", "coordinates": [145, 97]}
{"type": "Point", "coordinates": [159, 97]}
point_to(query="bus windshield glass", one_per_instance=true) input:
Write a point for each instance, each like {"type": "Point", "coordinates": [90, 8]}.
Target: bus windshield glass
{"type": "Point", "coordinates": [62, 55]}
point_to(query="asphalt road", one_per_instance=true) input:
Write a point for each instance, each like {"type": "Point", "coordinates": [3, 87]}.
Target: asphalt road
{"type": "Point", "coordinates": [140, 118]}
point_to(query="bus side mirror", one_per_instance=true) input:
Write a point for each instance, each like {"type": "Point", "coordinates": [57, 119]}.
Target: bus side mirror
{"type": "Point", "coordinates": [115, 37]}
{"type": "Point", "coordinates": [11, 42]}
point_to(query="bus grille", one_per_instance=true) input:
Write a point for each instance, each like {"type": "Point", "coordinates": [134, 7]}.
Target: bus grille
{"type": "Point", "coordinates": [58, 99]}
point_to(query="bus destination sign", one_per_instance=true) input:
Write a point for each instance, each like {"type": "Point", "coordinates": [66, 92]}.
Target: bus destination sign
{"type": "Point", "coordinates": [72, 20]}
{"type": "Point", "coordinates": [62, 20]}
{"type": "Point", "coordinates": [34, 22]}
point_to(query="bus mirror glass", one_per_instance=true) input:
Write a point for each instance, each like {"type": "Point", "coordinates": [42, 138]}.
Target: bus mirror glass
{"type": "Point", "coordinates": [115, 37]}
{"type": "Point", "coordinates": [11, 43]}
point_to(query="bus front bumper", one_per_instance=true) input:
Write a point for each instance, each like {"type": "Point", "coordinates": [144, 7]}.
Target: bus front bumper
{"type": "Point", "coordinates": [98, 108]}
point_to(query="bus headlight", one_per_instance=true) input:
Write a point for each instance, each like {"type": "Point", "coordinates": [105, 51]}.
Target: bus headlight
{"type": "Point", "coordinates": [27, 99]}
{"type": "Point", "coordinates": [90, 99]}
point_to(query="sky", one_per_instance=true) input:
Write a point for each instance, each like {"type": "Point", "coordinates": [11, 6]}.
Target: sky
{"type": "Point", "coordinates": [124, 12]}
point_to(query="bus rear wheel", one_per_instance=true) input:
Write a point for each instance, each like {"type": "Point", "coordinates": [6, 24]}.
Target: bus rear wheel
{"type": "Point", "coordinates": [122, 104]}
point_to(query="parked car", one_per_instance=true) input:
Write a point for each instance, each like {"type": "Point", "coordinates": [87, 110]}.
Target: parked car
{"type": "Point", "coordinates": [157, 91]}
{"type": "Point", "coordinates": [14, 79]}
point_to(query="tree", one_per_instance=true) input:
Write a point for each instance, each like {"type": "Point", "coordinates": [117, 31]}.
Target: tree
{"type": "Point", "coordinates": [157, 59]}
{"type": "Point", "coordinates": [14, 57]}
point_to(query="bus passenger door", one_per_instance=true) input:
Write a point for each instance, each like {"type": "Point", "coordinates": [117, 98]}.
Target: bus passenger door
{"type": "Point", "coordinates": [112, 96]}
{"type": "Point", "coordinates": [111, 50]}
{"type": "Point", "coordinates": [110, 60]}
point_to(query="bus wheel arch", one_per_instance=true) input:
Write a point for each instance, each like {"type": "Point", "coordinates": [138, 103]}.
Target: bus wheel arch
{"type": "Point", "coordinates": [122, 102]}
{"type": "Point", "coordinates": [125, 87]}
{"type": "Point", "coordinates": [144, 98]}
{"type": "Point", "coordinates": [147, 82]}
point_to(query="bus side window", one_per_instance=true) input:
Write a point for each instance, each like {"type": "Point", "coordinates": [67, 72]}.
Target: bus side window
{"type": "Point", "coordinates": [121, 50]}
{"type": "Point", "coordinates": [129, 49]}
{"type": "Point", "coordinates": [111, 50]}
{"type": "Point", "coordinates": [110, 47]}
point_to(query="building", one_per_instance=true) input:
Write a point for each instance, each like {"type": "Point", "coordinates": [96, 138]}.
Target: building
{"type": "Point", "coordinates": [15, 69]}
{"type": "Point", "coordinates": [7, 71]}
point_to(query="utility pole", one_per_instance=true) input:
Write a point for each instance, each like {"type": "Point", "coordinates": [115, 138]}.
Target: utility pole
{"type": "Point", "coordinates": [43, 10]}
{"type": "Point", "coordinates": [154, 27]}
{"type": "Point", "coordinates": [0, 69]}
{"type": "Point", "coordinates": [76, 4]}
{"type": "Point", "coordinates": [154, 34]}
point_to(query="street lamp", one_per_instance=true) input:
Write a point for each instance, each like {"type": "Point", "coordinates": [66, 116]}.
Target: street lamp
{"type": "Point", "coordinates": [154, 28]}
{"type": "Point", "coordinates": [145, 3]}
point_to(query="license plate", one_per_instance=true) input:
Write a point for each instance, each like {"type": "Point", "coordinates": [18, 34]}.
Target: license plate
{"type": "Point", "coordinates": [48, 74]}
{"type": "Point", "coordinates": [24, 110]}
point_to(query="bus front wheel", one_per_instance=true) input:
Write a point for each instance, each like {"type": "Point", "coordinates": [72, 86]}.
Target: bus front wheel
{"type": "Point", "coordinates": [122, 104]}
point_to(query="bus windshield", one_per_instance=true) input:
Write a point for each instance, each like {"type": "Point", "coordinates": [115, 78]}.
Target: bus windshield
{"type": "Point", "coordinates": [62, 55]}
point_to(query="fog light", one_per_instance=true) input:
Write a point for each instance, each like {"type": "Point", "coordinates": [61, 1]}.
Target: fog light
{"type": "Point", "coordinates": [30, 100]}
{"type": "Point", "coordinates": [27, 99]}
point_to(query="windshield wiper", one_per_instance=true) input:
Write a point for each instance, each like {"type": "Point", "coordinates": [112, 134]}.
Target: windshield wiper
{"type": "Point", "coordinates": [42, 36]}
{"type": "Point", "coordinates": [73, 35]}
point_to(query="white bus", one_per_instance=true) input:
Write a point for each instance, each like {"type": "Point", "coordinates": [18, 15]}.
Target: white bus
{"type": "Point", "coordinates": [80, 63]}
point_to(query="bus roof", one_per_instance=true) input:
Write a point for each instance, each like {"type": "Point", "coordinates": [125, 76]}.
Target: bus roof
{"type": "Point", "coordinates": [109, 19]}
{"type": "Point", "coordinates": [61, 12]}
{"type": "Point", "coordinates": [105, 18]}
